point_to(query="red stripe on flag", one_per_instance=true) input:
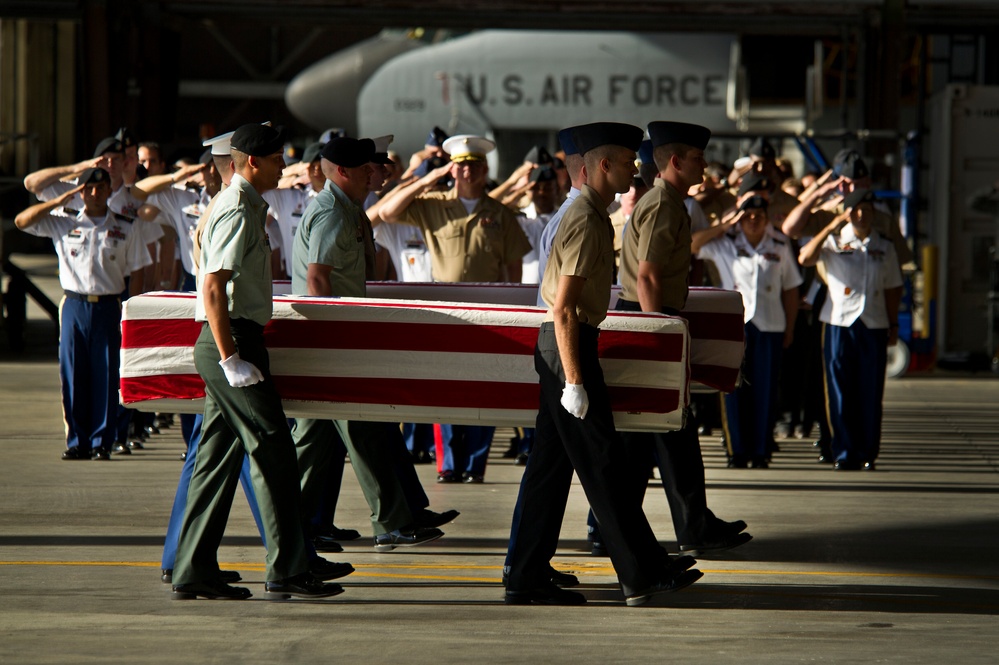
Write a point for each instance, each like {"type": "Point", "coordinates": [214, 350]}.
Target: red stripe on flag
{"type": "Point", "coordinates": [625, 345]}
{"type": "Point", "coordinates": [143, 333]}
{"type": "Point", "coordinates": [410, 392]}
{"type": "Point", "coordinates": [715, 376]}
{"type": "Point", "coordinates": [715, 326]}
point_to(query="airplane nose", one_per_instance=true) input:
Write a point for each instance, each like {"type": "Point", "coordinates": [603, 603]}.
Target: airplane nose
{"type": "Point", "coordinates": [325, 93]}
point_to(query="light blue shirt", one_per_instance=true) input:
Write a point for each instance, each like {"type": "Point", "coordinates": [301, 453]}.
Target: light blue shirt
{"type": "Point", "coordinates": [548, 236]}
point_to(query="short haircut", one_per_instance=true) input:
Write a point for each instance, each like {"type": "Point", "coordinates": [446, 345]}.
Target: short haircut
{"type": "Point", "coordinates": [239, 158]}
{"type": "Point", "coordinates": [663, 153]}
{"type": "Point", "coordinates": [593, 158]}
{"type": "Point", "coordinates": [222, 163]}
{"type": "Point", "coordinates": [648, 172]}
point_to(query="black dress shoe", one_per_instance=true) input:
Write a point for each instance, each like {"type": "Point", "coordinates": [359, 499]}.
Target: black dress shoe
{"type": "Point", "coordinates": [448, 477]}
{"type": "Point", "coordinates": [324, 543]}
{"type": "Point", "coordinates": [825, 459]}
{"type": "Point", "coordinates": [75, 453]}
{"type": "Point", "coordinates": [597, 548]}
{"type": "Point", "coordinates": [868, 466]}
{"type": "Point", "coordinates": [121, 449]}
{"type": "Point", "coordinates": [731, 527]}
{"type": "Point", "coordinates": [135, 445]}
{"type": "Point", "coordinates": [717, 544]}
{"type": "Point", "coordinates": [322, 569]}
{"type": "Point", "coordinates": [759, 463]}
{"type": "Point", "coordinates": [667, 585]}
{"type": "Point", "coordinates": [226, 576]}
{"type": "Point", "coordinates": [521, 460]}
{"type": "Point", "coordinates": [429, 519]}
{"type": "Point", "coordinates": [386, 542]}
{"type": "Point", "coordinates": [183, 456]}
{"type": "Point", "coordinates": [845, 465]}
{"type": "Point", "coordinates": [337, 533]}
{"type": "Point", "coordinates": [100, 454]}
{"type": "Point", "coordinates": [737, 463]}
{"type": "Point", "coordinates": [214, 590]}
{"type": "Point", "coordinates": [472, 478]}
{"type": "Point", "coordinates": [510, 453]}
{"type": "Point", "coordinates": [556, 577]}
{"type": "Point", "coordinates": [301, 586]}
{"type": "Point", "coordinates": [546, 595]}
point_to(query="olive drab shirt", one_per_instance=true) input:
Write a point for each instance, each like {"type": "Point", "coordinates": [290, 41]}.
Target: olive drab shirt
{"type": "Point", "coordinates": [658, 232]}
{"type": "Point", "coordinates": [583, 247]}
{"type": "Point", "coordinates": [467, 247]}
{"type": "Point", "coordinates": [234, 239]}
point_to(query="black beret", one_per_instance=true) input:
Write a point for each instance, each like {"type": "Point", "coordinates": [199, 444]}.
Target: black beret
{"type": "Point", "coordinates": [93, 176]}
{"type": "Point", "coordinates": [596, 134]}
{"type": "Point", "coordinates": [849, 164]}
{"type": "Point", "coordinates": [126, 137]}
{"type": "Point", "coordinates": [857, 197]}
{"type": "Point", "coordinates": [312, 152]}
{"type": "Point", "coordinates": [110, 144]}
{"type": "Point", "coordinates": [206, 157]}
{"type": "Point", "coordinates": [754, 203]}
{"type": "Point", "coordinates": [664, 133]}
{"type": "Point", "coordinates": [348, 152]}
{"type": "Point", "coordinates": [565, 140]}
{"type": "Point", "coordinates": [762, 148]}
{"type": "Point", "coordinates": [538, 155]}
{"type": "Point", "coordinates": [754, 182]}
{"type": "Point", "coordinates": [436, 137]}
{"type": "Point", "coordinates": [258, 140]}
{"type": "Point", "coordinates": [543, 174]}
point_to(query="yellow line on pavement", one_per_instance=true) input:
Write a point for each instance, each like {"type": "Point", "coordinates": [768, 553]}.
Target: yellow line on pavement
{"type": "Point", "coordinates": [369, 570]}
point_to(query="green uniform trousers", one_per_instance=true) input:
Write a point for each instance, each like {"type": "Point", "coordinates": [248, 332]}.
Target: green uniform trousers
{"type": "Point", "coordinates": [371, 458]}
{"type": "Point", "coordinates": [241, 421]}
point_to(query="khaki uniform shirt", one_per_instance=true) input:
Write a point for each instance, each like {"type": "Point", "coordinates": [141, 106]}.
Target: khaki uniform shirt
{"type": "Point", "coordinates": [467, 247]}
{"type": "Point", "coordinates": [715, 209]}
{"type": "Point", "coordinates": [779, 206]}
{"type": "Point", "coordinates": [583, 247]}
{"type": "Point", "coordinates": [659, 232]}
{"type": "Point", "coordinates": [234, 239]}
{"type": "Point", "coordinates": [618, 221]}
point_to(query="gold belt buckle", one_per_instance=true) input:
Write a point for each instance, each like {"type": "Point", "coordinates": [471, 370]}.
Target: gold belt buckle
{"type": "Point", "coordinates": [93, 298]}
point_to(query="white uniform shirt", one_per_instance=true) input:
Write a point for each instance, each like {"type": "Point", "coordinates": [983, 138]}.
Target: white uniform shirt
{"type": "Point", "coordinates": [287, 207]}
{"type": "Point", "coordinates": [856, 269]}
{"type": "Point", "coordinates": [182, 208]}
{"type": "Point", "coordinates": [698, 220]}
{"type": "Point", "coordinates": [533, 225]}
{"type": "Point", "coordinates": [95, 254]}
{"type": "Point", "coordinates": [761, 274]}
{"type": "Point", "coordinates": [408, 249]}
{"type": "Point", "coordinates": [121, 201]}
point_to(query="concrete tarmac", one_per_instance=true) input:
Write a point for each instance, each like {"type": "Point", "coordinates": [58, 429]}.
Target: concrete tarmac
{"type": "Point", "coordinates": [898, 565]}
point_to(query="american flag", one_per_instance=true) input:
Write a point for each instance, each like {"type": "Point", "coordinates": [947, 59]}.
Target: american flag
{"type": "Point", "coordinates": [406, 360]}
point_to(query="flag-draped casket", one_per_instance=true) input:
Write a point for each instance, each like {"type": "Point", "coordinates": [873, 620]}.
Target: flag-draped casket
{"type": "Point", "coordinates": [407, 360]}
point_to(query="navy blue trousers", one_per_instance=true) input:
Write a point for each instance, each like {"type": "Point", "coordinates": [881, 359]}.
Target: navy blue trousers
{"type": "Point", "coordinates": [855, 386]}
{"type": "Point", "coordinates": [89, 356]}
{"type": "Point", "coordinates": [749, 411]}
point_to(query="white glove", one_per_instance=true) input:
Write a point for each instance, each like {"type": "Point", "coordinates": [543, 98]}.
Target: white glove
{"type": "Point", "coordinates": [240, 373]}
{"type": "Point", "coordinates": [575, 400]}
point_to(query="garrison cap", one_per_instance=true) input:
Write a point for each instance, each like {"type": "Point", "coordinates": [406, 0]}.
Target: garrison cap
{"type": "Point", "coordinates": [754, 203]}
{"type": "Point", "coordinates": [762, 148]}
{"type": "Point", "coordinates": [258, 140]}
{"type": "Point", "coordinates": [565, 140]}
{"type": "Point", "coordinates": [332, 133]}
{"type": "Point", "coordinates": [110, 144]}
{"type": "Point", "coordinates": [538, 155]}
{"type": "Point", "coordinates": [436, 137]}
{"type": "Point", "coordinates": [126, 137]}
{"type": "Point", "coordinates": [594, 135]}
{"type": "Point", "coordinates": [219, 144]}
{"type": "Point", "coordinates": [857, 197]}
{"type": "Point", "coordinates": [206, 157]}
{"type": "Point", "coordinates": [664, 133]}
{"type": "Point", "coordinates": [468, 148]}
{"type": "Point", "coordinates": [754, 182]}
{"type": "Point", "coordinates": [93, 176]}
{"type": "Point", "coordinates": [543, 173]}
{"type": "Point", "coordinates": [645, 152]}
{"type": "Point", "coordinates": [349, 153]}
{"type": "Point", "coordinates": [849, 164]}
{"type": "Point", "coordinates": [312, 152]}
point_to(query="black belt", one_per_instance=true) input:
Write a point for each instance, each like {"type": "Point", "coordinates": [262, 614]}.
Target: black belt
{"type": "Point", "coordinates": [82, 296]}
{"type": "Point", "coordinates": [632, 306]}
{"type": "Point", "coordinates": [243, 325]}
